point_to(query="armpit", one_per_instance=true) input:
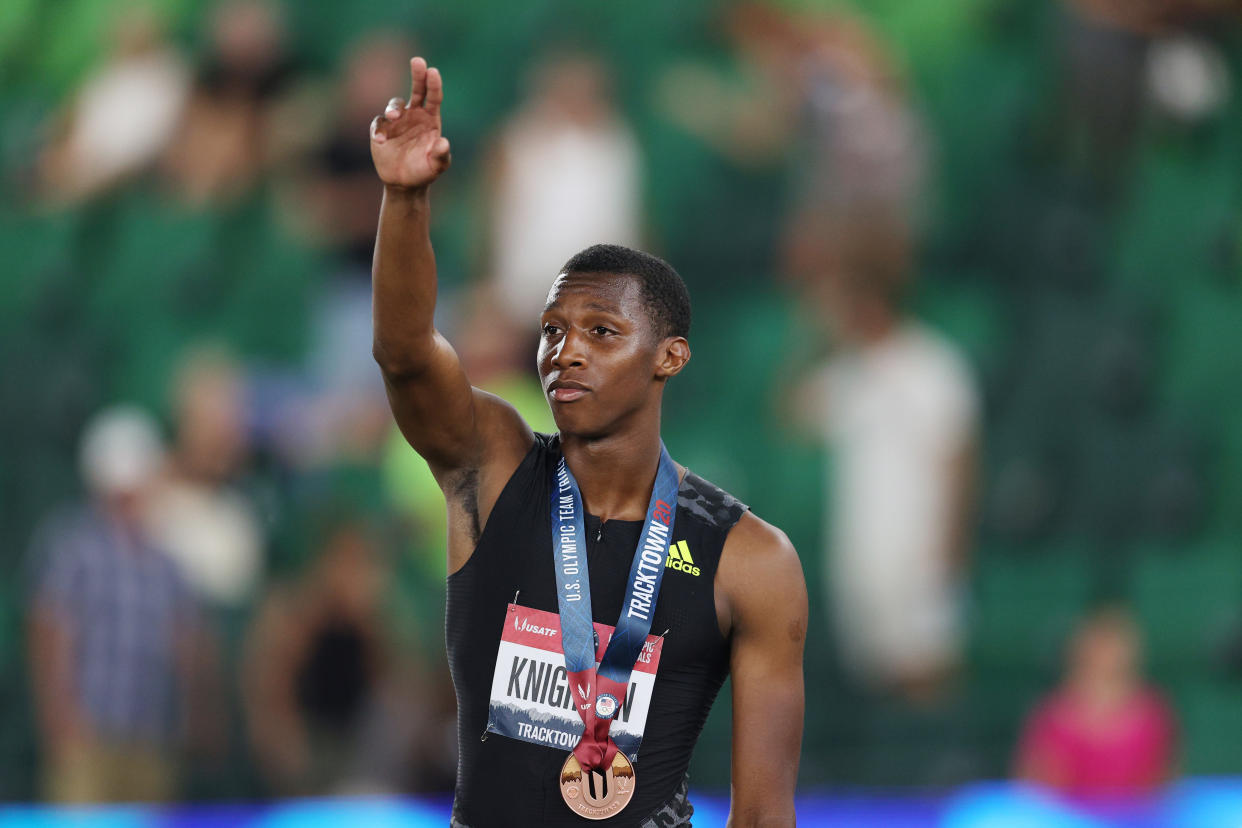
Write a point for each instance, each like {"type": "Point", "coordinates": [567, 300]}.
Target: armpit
{"type": "Point", "coordinates": [461, 490]}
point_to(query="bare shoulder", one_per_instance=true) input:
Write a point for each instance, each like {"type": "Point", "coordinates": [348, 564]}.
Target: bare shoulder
{"type": "Point", "coordinates": [760, 571]}
{"type": "Point", "coordinates": [501, 427]}
{"type": "Point", "coordinates": [755, 546]}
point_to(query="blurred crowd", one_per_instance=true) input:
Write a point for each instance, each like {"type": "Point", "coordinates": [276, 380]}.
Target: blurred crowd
{"type": "Point", "coordinates": [251, 575]}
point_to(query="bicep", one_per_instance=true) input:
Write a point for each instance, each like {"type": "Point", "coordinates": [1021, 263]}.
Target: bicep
{"type": "Point", "coordinates": [451, 424]}
{"type": "Point", "coordinates": [769, 632]}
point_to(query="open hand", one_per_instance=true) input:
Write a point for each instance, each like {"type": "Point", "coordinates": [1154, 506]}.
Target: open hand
{"type": "Point", "coordinates": [406, 145]}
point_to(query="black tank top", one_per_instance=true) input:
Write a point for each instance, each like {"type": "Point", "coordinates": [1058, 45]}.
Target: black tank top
{"type": "Point", "coordinates": [507, 782]}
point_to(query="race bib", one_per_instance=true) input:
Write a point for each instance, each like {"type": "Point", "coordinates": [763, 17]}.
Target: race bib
{"type": "Point", "coordinates": [532, 699]}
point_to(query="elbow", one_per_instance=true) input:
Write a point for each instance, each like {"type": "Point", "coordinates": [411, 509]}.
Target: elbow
{"type": "Point", "coordinates": [399, 362]}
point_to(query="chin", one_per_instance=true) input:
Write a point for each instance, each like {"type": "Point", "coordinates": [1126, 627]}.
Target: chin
{"type": "Point", "coordinates": [575, 424]}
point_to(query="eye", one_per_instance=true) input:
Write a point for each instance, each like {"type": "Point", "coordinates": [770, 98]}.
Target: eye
{"type": "Point", "coordinates": [550, 330]}
{"type": "Point", "coordinates": [600, 330]}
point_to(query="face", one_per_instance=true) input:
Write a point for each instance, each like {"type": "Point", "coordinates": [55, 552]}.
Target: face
{"type": "Point", "coordinates": [1107, 647]}
{"type": "Point", "coordinates": [211, 423]}
{"type": "Point", "coordinates": [600, 362]}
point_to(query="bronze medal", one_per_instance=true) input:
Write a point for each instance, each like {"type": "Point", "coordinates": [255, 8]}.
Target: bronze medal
{"type": "Point", "coordinates": [598, 794]}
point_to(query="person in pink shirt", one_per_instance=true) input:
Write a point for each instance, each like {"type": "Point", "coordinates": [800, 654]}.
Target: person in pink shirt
{"type": "Point", "coordinates": [1104, 730]}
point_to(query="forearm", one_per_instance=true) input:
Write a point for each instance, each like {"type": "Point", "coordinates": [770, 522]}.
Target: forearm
{"type": "Point", "coordinates": [202, 710]}
{"type": "Point", "coordinates": [963, 481]}
{"type": "Point", "coordinates": [767, 742]}
{"type": "Point", "coordinates": [403, 278]}
{"type": "Point", "coordinates": [59, 716]}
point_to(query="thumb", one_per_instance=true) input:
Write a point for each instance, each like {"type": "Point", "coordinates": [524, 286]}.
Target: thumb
{"type": "Point", "coordinates": [441, 155]}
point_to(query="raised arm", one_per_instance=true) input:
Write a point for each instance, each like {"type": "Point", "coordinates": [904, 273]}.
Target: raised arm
{"type": "Point", "coordinates": [762, 580]}
{"type": "Point", "coordinates": [453, 426]}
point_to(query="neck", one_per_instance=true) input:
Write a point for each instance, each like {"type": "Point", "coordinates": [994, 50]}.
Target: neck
{"type": "Point", "coordinates": [615, 473]}
{"type": "Point", "coordinates": [1104, 692]}
{"type": "Point", "coordinates": [875, 323]}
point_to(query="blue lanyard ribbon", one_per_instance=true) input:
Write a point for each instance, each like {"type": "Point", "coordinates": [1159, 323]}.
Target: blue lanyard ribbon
{"type": "Point", "coordinates": [574, 583]}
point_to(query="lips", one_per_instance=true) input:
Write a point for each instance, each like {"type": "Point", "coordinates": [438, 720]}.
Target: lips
{"type": "Point", "coordinates": [567, 390]}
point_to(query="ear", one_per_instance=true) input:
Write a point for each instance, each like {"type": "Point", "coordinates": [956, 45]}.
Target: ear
{"type": "Point", "coordinates": [672, 356]}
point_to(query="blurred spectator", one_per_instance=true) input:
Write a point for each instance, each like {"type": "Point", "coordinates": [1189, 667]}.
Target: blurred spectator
{"type": "Point", "coordinates": [566, 173]}
{"type": "Point", "coordinates": [898, 406]}
{"type": "Point", "coordinates": [349, 412]}
{"type": "Point", "coordinates": [1152, 16]}
{"type": "Point", "coordinates": [822, 91]}
{"type": "Point", "coordinates": [197, 514]}
{"type": "Point", "coordinates": [116, 646]}
{"type": "Point", "coordinates": [226, 139]}
{"type": "Point", "coordinates": [1122, 57]}
{"type": "Point", "coordinates": [125, 113]}
{"type": "Point", "coordinates": [895, 401]}
{"type": "Point", "coordinates": [1105, 48]}
{"type": "Point", "coordinates": [344, 192]}
{"type": "Point", "coordinates": [333, 703]}
{"type": "Point", "coordinates": [748, 115]}
{"type": "Point", "coordinates": [1104, 731]}
{"type": "Point", "coordinates": [862, 145]}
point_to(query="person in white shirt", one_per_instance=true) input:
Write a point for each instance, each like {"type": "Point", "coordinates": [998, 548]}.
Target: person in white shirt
{"type": "Point", "coordinates": [898, 407]}
{"type": "Point", "coordinates": [123, 116]}
{"type": "Point", "coordinates": [566, 172]}
{"type": "Point", "coordinates": [199, 515]}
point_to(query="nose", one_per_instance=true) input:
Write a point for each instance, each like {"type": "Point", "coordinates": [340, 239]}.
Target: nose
{"type": "Point", "coordinates": [568, 353]}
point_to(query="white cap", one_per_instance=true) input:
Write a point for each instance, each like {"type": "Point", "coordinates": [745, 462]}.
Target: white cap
{"type": "Point", "coordinates": [121, 450]}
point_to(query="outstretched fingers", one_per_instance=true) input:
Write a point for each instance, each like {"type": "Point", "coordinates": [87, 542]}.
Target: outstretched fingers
{"type": "Point", "coordinates": [435, 91]}
{"type": "Point", "coordinates": [401, 117]}
{"type": "Point", "coordinates": [418, 81]}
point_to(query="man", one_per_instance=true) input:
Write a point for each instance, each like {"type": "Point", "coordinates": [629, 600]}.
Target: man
{"type": "Point", "coordinates": [733, 599]}
{"type": "Point", "coordinates": [119, 655]}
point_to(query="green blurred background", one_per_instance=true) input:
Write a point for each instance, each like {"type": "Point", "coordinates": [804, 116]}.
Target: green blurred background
{"type": "Point", "coordinates": [1095, 286]}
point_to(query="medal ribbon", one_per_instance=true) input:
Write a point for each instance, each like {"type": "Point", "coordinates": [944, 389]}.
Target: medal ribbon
{"type": "Point", "coordinates": [587, 683]}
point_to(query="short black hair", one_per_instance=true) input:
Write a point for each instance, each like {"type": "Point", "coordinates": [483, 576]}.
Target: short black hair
{"type": "Point", "coordinates": [663, 291]}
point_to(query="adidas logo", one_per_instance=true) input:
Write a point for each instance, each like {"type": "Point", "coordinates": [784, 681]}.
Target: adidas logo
{"type": "Point", "coordinates": [679, 559]}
